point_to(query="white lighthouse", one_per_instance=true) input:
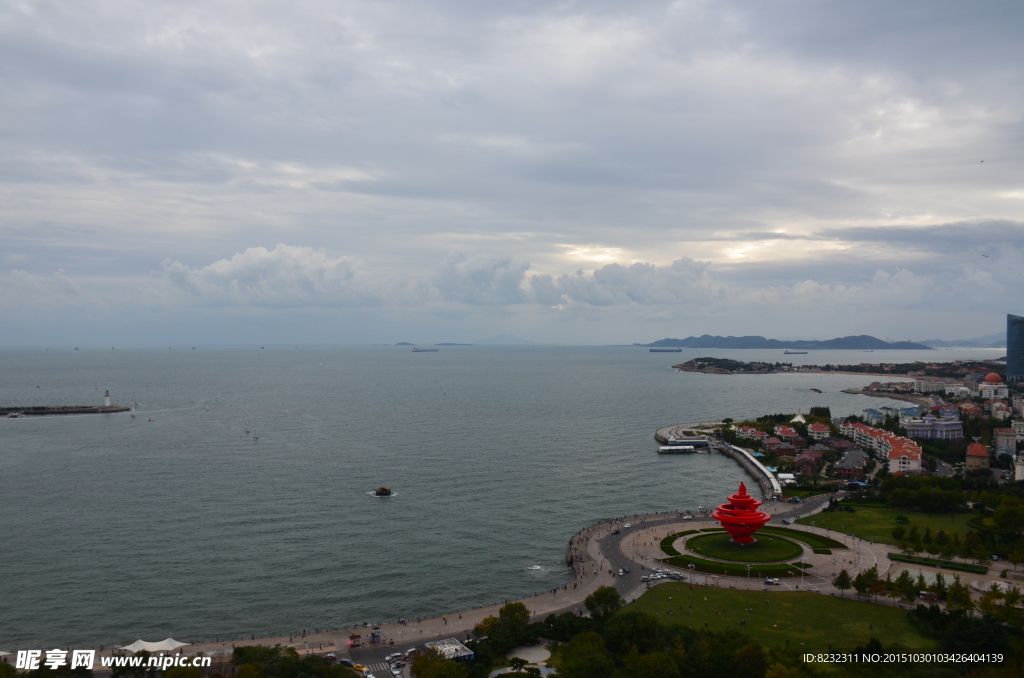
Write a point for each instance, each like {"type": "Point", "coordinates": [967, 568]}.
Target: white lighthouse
{"type": "Point", "coordinates": [106, 399]}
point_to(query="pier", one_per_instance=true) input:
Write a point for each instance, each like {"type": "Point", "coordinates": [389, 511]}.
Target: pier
{"type": "Point", "coordinates": [765, 479]}
{"type": "Point", "coordinates": [39, 410]}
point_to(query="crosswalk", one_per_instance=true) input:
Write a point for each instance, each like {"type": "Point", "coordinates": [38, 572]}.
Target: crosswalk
{"type": "Point", "coordinates": [380, 669]}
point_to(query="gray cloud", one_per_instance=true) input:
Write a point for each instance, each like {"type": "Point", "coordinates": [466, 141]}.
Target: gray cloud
{"type": "Point", "coordinates": [719, 155]}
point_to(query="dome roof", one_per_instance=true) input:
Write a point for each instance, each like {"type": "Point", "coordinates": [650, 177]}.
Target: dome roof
{"type": "Point", "coordinates": [993, 378]}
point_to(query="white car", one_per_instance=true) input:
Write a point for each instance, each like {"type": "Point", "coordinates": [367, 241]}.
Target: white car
{"type": "Point", "coordinates": [628, 525]}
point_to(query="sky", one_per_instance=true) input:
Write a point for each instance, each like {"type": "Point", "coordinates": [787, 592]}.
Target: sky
{"type": "Point", "coordinates": [599, 172]}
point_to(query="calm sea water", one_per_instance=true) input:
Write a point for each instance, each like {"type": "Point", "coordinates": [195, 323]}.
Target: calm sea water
{"type": "Point", "coordinates": [116, 528]}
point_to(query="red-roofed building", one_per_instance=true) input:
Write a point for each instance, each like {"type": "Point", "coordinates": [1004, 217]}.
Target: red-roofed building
{"type": "Point", "coordinates": [818, 431]}
{"type": "Point", "coordinates": [807, 463]}
{"type": "Point", "coordinates": [786, 432]}
{"type": "Point", "coordinates": [977, 457]}
{"type": "Point", "coordinates": [904, 456]}
{"type": "Point", "coordinates": [772, 443]}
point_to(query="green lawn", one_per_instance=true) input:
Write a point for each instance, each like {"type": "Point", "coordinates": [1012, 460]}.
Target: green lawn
{"type": "Point", "coordinates": [808, 620]}
{"type": "Point", "coordinates": [732, 569]}
{"type": "Point", "coordinates": [767, 549]}
{"type": "Point", "coordinates": [816, 541]}
{"type": "Point", "coordinates": [875, 524]}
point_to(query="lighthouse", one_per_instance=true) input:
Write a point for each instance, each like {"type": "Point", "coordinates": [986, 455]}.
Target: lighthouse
{"type": "Point", "coordinates": [106, 399]}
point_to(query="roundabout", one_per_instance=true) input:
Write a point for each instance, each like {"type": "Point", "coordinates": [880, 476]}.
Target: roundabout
{"type": "Point", "coordinates": [766, 549]}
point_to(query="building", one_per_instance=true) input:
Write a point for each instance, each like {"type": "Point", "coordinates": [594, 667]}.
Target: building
{"type": "Point", "coordinates": [977, 457]}
{"type": "Point", "coordinates": [904, 456]}
{"type": "Point", "coordinates": [819, 431]}
{"type": "Point", "coordinates": [786, 432]}
{"type": "Point", "coordinates": [1018, 428]}
{"type": "Point", "coordinates": [930, 427]}
{"type": "Point", "coordinates": [1014, 349]}
{"type": "Point", "coordinates": [851, 466]}
{"type": "Point", "coordinates": [929, 386]}
{"type": "Point", "coordinates": [993, 387]}
{"type": "Point", "coordinates": [1005, 438]}
{"type": "Point", "coordinates": [807, 463]}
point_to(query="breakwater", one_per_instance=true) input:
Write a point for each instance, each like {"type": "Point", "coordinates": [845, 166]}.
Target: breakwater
{"type": "Point", "coordinates": [768, 483]}
{"type": "Point", "coordinates": [38, 411]}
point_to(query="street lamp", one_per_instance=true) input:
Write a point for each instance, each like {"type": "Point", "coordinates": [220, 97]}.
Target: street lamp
{"type": "Point", "coordinates": [748, 575]}
{"type": "Point", "coordinates": [691, 572]}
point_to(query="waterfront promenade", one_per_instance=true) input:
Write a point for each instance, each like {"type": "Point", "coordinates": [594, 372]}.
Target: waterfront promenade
{"type": "Point", "coordinates": [598, 555]}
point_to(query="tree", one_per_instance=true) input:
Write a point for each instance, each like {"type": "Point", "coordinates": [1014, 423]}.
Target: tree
{"type": "Point", "coordinates": [517, 664]}
{"type": "Point", "coordinates": [842, 582]}
{"type": "Point", "coordinates": [603, 603]}
{"type": "Point", "coordinates": [431, 664]}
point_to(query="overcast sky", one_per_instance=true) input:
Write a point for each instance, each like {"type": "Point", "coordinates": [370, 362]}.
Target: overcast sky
{"type": "Point", "coordinates": [328, 171]}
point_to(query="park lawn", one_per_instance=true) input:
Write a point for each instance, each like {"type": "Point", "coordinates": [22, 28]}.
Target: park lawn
{"type": "Point", "coordinates": [767, 549]}
{"type": "Point", "coordinates": [810, 621]}
{"type": "Point", "coordinates": [875, 524]}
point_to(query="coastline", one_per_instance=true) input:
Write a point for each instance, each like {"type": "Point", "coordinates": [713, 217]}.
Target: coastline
{"type": "Point", "coordinates": [917, 400]}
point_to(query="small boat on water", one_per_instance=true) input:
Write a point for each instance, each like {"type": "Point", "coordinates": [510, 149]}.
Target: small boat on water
{"type": "Point", "coordinates": [383, 492]}
{"type": "Point", "coordinates": [665, 350]}
{"type": "Point", "coordinates": [417, 349]}
{"type": "Point", "coordinates": [794, 352]}
{"type": "Point", "coordinates": [15, 415]}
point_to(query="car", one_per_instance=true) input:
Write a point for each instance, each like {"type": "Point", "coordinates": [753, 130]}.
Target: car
{"type": "Point", "coordinates": [615, 531]}
{"type": "Point", "coordinates": [621, 573]}
{"type": "Point", "coordinates": [645, 578]}
{"type": "Point", "coordinates": [347, 662]}
{"type": "Point", "coordinates": [655, 569]}
{"type": "Point", "coordinates": [786, 521]}
{"type": "Point", "coordinates": [774, 582]}
{"type": "Point", "coordinates": [995, 558]}
{"type": "Point", "coordinates": [393, 656]}
{"type": "Point", "coordinates": [411, 652]}
{"type": "Point", "coordinates": [626, 570]}
{"type": "Point", "coordinates": [628, 525]}
{"type": "Point", "coordinates": [687, 517]}
{"type": "Point", "coordinates": [396, 671]}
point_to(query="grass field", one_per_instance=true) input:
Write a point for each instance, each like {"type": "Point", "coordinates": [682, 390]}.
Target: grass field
{"type": "Point", "coordinates": [810, 621]}
{"type": "Point", "coordinates": [733, 569]}
{"type": "Point", "coordinates": [875, 524]}
{"type": "Point", "coordinates": [813, 540]}
{"type": "Point", "coordinates": [767, 549]}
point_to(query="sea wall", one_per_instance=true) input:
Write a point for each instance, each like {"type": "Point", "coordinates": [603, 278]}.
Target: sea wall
{"type": "Point", "coordinates": [765, 479]}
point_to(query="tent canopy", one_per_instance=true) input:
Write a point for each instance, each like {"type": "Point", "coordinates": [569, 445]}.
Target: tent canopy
{"type": "Point", "coordinates": [163, 646]}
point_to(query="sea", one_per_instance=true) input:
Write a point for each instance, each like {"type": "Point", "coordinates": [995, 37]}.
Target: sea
{"type": "Point", "coordinates": [180, 523]}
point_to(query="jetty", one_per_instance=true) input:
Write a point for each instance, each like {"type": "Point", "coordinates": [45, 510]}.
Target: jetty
{"type": "Point", "coordinates": [666, 435]}
{"type": "Point", "coordinates": [41, 410]}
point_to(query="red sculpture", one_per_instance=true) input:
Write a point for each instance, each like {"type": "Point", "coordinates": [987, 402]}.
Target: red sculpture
{"type": "Point", "coordinates": [740, 516]}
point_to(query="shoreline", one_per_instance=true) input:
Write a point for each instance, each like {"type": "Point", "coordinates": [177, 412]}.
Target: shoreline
{"type": "Point", "coordinates": [917, 400]}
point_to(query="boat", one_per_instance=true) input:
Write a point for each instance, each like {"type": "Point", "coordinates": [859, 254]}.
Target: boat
{"type": "Point", "coordinates": [151, 419]}
{"type": "Point", "coordinates": [417, 349]}
{"type": "Point", "coordinates": [794, 352]}
{"type": "Point", "coordinates": [15, 415]}
{"type": "Point", "coordinates": [383, 492]}
{"type": "Point", "coordinates": [255, 434]}
{"type": "Point", "coordinates": [665, 350]}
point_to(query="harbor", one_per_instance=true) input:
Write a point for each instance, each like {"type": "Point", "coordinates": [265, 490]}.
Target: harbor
{"type": "Point", "coordinates": [696, 438]}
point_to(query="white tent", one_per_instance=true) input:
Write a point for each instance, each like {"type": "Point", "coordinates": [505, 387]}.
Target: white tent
{"type": "Point", "coordinates": [163, 646]}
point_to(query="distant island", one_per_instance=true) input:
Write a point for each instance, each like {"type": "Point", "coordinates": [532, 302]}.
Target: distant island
{"type": "Point", "coordinates": [862, 342]}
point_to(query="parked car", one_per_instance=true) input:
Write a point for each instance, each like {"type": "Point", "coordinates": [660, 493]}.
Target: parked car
{"type": "Point", "coordinates": [621, 573]}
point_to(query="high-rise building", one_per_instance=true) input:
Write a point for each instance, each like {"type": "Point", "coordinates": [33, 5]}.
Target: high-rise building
{"type": "Point", "coordinates": [1014, 348]}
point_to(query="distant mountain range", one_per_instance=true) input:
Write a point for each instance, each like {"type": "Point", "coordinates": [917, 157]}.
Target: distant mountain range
{"type": "Point", "coordinates": [987, 341]}
{"type": "Point", "coordinates": [861, 342]}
